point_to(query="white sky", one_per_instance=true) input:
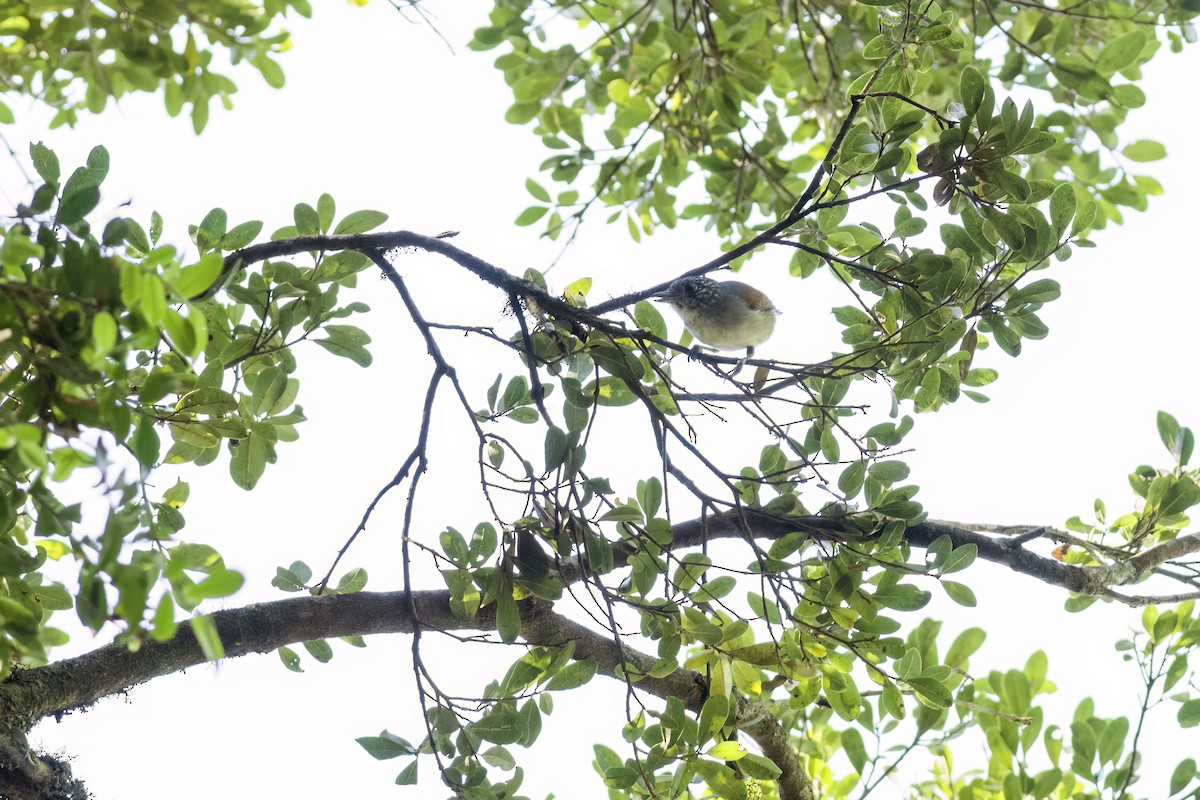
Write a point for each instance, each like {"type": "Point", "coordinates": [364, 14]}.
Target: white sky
{"type": "Point", "coordinates": [381, 115]}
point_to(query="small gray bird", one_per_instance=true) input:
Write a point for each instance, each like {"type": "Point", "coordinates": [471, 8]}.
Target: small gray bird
{"type": "Point", "coordinates": [725, 315]}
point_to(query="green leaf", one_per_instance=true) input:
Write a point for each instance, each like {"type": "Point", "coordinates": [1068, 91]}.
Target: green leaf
{"type": "Point", "coordinates": [830, 448]}
{"type": "Point", "coordinates": [555, 448]}
{"type": "Point", "coordinates": [650, 319]}
{"type": "Point", "coordinates": [306, 219]}
{"type": "Point", "coordinates": [211, 230]}
{"type": "Point", "coordinates": [535, 189]}
{"type": "Point", "coordinates": [90, 176]}
{"type": "Point", "coordinates": [1144, 150]}
{"type": "Point", "coordinates": [240, 235]}
{"type": "Point", "coordinates": [273, 392]}
{"type": "Point", "coordinates": [712, 716]}
{"type": "Point", "coordinates": [152, 299]}
{"type": "Point", "coordinates": [850, 482]}
{"type": "Point", "coordinates": [1128, 96]}
{"type": "Point", "coordinates": [928, 396]}
{"type": "Point", "coordinates": [572, 676]}
{"type": "Point", "coordinates": [971, 88]}
{"type": "Point", "coordinates": [408, 775]}
{"type": "Point", "coordinates": [902, 597]}
{"type": "Point", "coordinates": [199, 277]}
{"type": "Point", "coordinates": [720, 778]}
{"type": "Point", "coordinates": [326, 208]}
{"type": "Point", "coordinates": [341, 265]}
{"type": "Point", "coordinates": [156, 224]}
{"type": "Point", "coordinates": [524, 415]}
{"type": "Point", "coordinates": [501, 725]}
{"type": "Point", "coordinates": [1121, 52]}
{"type": "Point", "coordinates": [889, 472]}
{"type": "Point", "coordinates": [360, 222]}
{"type": "Point", "coordinates": [290, 659]}
{"type": "Point", "coordinates": [1039, 292]}
{"type": "Point", "coordinates": [508, 616]}
{"type": "Point", "coordinates": [845, 700]}
{"type": "Point", "coordinates": [353, 581]}
{"type": "Point", "coordinates": [759, 767]}
{"type": "Point", "coordinates": [1084, 217]}
{"type": "Point", "coordinates": [530, 215]}
{"type": "Point", "coordinates": [649, 495]}
{"type": "Point", "coordinates": [499, 757]}
{"type": "Point", "coordinates": [208, 402]}
{"type": "Point", "coordinates": [960, 593]}
{"type": "Point", "coordinates": [251, 455]}
{"type": "Point", "coordinates": [1178, 441]}
{"type": "Point", "coordinates": [17, 618]}
{"type": "Point", "coordinates": [347, 341]}
{"type": "Point", "coordinates": [715, 589]}
{"type": "Point", "coordinates": [220, 584]}
{"type": "Point", "coordinates": [385, 746]}
{"type": "Point", "coordinates": [272, 73]}
{"type": "Point", "coordinates": [965, 645]}
{"type": "Point", "coordinates": [319, 649]}
{"type": "Point", "coordinates": [104, 332]}
{"type": "Point", "coordinates": [78, 204]}
{"type": "Point", "coordinates": [960, 558]}
{"type": "Point", "coordinates": [855, 750]}
{"type": "Point", "coordinates": [145, 443]}
{"type": "Point", "coordinates": [1182, 775]}
{"type": "Point", "coordinates": [45, 162]}
{"type": "Point", "coordinates": [1062, 208]}
{"type": "Point", "coordinates": [288, 580]}
{"type": "Point", "coordinates": [1189, 714]}
{"type": "Point", "coordinates": [610, 391]}
{"type": "Point", "coordinates": [893, 701]}
{"type": "Point", "coordinates": [206, 636]}
{"type": "Point", "coordinates": [1007, 226]}
{"type": "Point", "coordinates": [931, 692]}
{"type": "Point", "coordinates": [728, 750]}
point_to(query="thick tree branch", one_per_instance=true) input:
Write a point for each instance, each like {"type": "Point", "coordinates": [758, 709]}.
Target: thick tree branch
{"type": "Point", "coordinates": [694, 533]}
{"type": "Point", "coordinates": [1000, 550]}
{"type": "Point", "coordinates": [32, 694]}
{"type": "Point", "coordinates": [1137, 567]}
{"type": "Point", "coordinates": [374, 243]}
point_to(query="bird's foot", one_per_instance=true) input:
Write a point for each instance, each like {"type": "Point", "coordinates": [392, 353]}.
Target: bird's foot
{"type": "Point", "coordinates": [741, 362]}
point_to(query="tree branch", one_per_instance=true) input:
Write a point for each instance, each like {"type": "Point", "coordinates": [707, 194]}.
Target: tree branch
{"type": "Point", "coordinates": [999, 550]}
{"type": "Point", "coordinates": [1143, 563]}
{"type": "Point", "coordinates": [373, 243]}
{"type": "Point", "coordinates": [693, 533]}
{"type": "Point", "coordinates": [62, 687]}
{"type": "Point", "coordinates": [32, 694]}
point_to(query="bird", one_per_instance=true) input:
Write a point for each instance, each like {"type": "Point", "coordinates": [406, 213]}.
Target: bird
{"type": "Point", "coordinates": [725, 315]}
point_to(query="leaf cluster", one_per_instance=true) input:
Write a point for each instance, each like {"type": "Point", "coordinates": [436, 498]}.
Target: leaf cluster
{"type": "Point", "coordinates": [745, 97]}
{"type": "Point", "coordinates": [111, 340]}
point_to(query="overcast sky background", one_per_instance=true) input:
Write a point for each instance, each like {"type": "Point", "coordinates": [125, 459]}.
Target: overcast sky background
{"type": "Point", "coordinates": [379, 113]}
